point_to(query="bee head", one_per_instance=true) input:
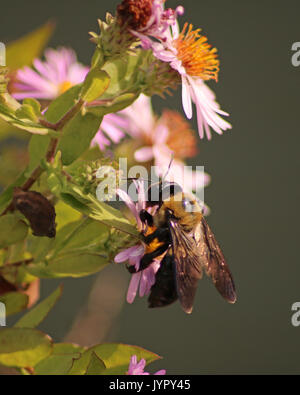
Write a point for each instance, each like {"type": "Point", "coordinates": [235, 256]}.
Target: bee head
{"type": "Point", "coordinates": [162, 191]}
{"type": "Point", "coordinates": [181, 207]}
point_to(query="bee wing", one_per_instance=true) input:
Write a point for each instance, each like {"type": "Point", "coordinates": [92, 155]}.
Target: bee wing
{"type": "Point", "coordinates": [187, 265]}
{"type": "Point", "coordinates": [213, 261]}
{"type": "Point", "coordinates": [163, 292]}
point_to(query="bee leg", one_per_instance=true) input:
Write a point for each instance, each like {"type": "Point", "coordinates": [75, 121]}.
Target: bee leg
{"type": "Point", "coordinates": [161, 234]}
{"type": "Point", "coordinates": [147, 259]}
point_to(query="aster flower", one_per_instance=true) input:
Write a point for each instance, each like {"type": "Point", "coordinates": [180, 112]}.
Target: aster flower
{"type": "Point", "coordinates": [52, 77]}
{"type": "Point", "coordinates": [113, 127]}
{"type": "Point", "coordinates": [147, 19]}
{"type": "Point", "coordinates": [143, 280]}
{"type": "Point", "coordinates": [193, 58]}
{"type": "Point", "coordinates": [49, 78]}
{"type": "Point", "coordinates": [160, 139]}
{"type": "Point", "coordinates": [137, 368]}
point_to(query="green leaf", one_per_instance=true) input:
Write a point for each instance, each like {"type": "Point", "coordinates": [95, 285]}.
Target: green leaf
{"type": "Point", "coordinates": [96, 366]}
{"type": "Point", "coordinates": [39, 247]}
{"type": "Point", "coordinates": [38, 147]}
{"type": "Point", "coordinates": [25, 124]}
{"type": "Point", "coordinates": [64, 215]}
{"type": "Point", "coordinates": [34, 105]}
{"type": "Point", "coordinates": [60, 361]}
{"type": "Point", "coordinates": [75, 203]}
{"type": "Point", "coordinates": [6, 195]}
{"type": "Point", "coordinates": [108, 215]}
{"type": "Point", "coordinates": [30, 109]}
{"type": "Point", "coordinates": [23, 347]}
{"type": "Point", "coordinates": [83, 234]}
{"type": "Point", "coordinates": [77, 136]}
{"type": "Point", "coordinates": [113, 218]}
{"type": "Point", "coordinates": [60, 106]}
{"type": "Point", "coordinates": [71, 265]}
{"type": "Point", "coordinates": [123, 73]}
{"type": "Point", "coordinates": [21, 52]}
{"type": "Point", "coordinates": [37, 314]}
{"type": "Point", "coordinates": [114, 105]}
{"type": "Point", "coordinates": [12, 230]}
{"type": "Point", "coordinates": [94, 85]}
{"type": "Point", "coordinates": [116, 358]}
{"type": "Point", "coordinates": [14, 302]}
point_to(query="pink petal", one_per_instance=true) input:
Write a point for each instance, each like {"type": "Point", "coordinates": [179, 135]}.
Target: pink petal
{"type": "Point", "coordinates": [129, 203]}
{"type": "Point", "coordinates": [186, 98]}
{"type": "Point", "coordinates": [160, 372]}
{"type": "Point", "coordinates": [161, 134]}
{"type": "Point", "coordinates": [143, 154]}
{"type": "Point", "coordinates": [133, 287]}
{"type": "Point", "coordinates": [124, 255]}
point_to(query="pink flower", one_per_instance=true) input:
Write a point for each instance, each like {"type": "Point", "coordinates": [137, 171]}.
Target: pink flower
{"type": "Point", "coordinates": [52, 77]}
{"type": "Point", "coordinates": [160, 139]}
{"type": "Point", "coordinates": [49, 78]}
{"type": "Point", "coordinates": [143, 280]}
{"type": "Point", "coordinates": [192, 57]}
{"type": "Point", "coordinates": [113, 127]}
{"type": "Point", "coordinates": [158, 24]}
{"type": "Point", "coordinates": [137, 368]}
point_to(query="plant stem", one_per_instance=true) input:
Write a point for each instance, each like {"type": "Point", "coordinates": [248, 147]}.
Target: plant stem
{"type": "Point", "coordinates": [65, 119]}
{"type": "Point", "coordinates": [25, 262]}
{"type": "Point", "coordinates": [38, 171]}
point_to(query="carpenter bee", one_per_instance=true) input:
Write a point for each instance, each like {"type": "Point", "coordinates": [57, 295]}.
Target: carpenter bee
{"type": "Point", "coordinates": [179, 232]}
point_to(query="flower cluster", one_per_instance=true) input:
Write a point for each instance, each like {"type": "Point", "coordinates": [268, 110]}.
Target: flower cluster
{"type": "Point", "coordinates": [187, 52]}
{"type": "Point", "coordinates": [159, 140]}
{"type": "Point", "coordinates": [152, 29]}
{"type": "Point", "coordinates": [140, 52]}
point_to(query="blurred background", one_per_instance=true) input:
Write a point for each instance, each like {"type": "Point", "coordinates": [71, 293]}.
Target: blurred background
{"type": "Point", "coordinates": [254, 198]}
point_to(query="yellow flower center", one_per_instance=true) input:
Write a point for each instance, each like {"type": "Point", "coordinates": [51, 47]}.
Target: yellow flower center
{"type": "Point", "coordinates": [64, 86]}
{"type": "Point", "coordinates": [196, 55]}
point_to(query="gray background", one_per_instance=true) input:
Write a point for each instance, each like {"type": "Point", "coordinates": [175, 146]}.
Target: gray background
{"type": "Point", "coordinates": [254, 193]}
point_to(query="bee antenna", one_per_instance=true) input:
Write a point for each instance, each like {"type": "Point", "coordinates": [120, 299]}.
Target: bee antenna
{"type": "Point", "coordinates": [169, 167]}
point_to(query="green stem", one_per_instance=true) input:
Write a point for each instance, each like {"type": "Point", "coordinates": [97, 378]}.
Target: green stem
{"type": "Point", "coordinates": [25, 262]}
{"type": "Point", "coordinates": [38, 171]}
{"type": "Point", "coordinates": [65, 119]}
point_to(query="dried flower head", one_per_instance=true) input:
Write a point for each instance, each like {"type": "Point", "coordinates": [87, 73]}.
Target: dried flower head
{"type": "Point", "coordinates": [134, 13]}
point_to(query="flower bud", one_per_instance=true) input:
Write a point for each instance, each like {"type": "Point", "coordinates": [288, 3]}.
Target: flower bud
{"type": "Point", "coordinates": [114, 41]}
{"type": "Point", "coordinates": [88, 177]}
